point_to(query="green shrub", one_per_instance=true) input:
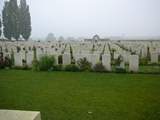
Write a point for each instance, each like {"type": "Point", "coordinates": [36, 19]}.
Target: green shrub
{"type": "Point", "coordinates": [35, 65]}
{"type": "Point", "coordinates": [71, 67]}
{"type": "Point", "coordinates": [7, 62]}
{"type": "Point", "coordinates": [148, 53]}
{"type": "Point", "coordinates": [73, 61]}
{"type": "Point", "coordinates": [118, 60]}
{"type": "Point", "coordinates": [144, 61]}
{"type": "Point", "coordinates": [93, 49]}
{"type": "Point", "coordinates": [71, 53]}
{"type": "Point", "coordinates": [34, 53]}
{"type": "Point", "coordinates": [12, 58]}
{"type": "Point", "coordinates": [6, 50]}
{"type": "Point", "coordinates": [112, 53]}
{"type": "Point", "coordinates": [60, 59]}
{"type": "Point", "coordinates": [120, 70]}
{"type": "Point", "coordinates": [57, 67]}
{"type": "Point", "coordinates": [2, 65]}
{"type": "Point", "coordinates": [21, 68]}
{"type": "Point", "coordinates": [84, 65]}
{"type": "Point", "coordinates": [154, 64]}
{"type": "Point", "coordinates": [24, 63]}
{"type": "Point", "coordinates": [99, 67]}
{"type": "Point", "coordinates": [46, 62]}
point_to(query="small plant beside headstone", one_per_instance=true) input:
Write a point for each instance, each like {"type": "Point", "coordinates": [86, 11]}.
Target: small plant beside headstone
{"type": "Point", "coordinates": [99, 67]}
{"type": "Point", "coordinates": [84, 64]}
{"type": "Point", "coordinates": [120, 65]}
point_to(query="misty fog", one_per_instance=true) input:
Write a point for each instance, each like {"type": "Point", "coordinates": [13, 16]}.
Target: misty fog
{"type": "Point", "coordinates": [88, 17]}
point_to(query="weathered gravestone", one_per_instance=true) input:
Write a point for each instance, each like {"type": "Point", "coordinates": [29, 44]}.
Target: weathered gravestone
{"type": "Point", "coordinates": [116, 56]}
{"type": "Point", "coordinates": [66, 59]}
{"type": "Point", "coordinates": [56, 58]}
{"type": "Point", "coordinates": [93, 58]}
{"type": "Point", "coordinates": [78, 57]}
{"type": "Point", "coordinates": [29, 58]}
{"type": "Point", "coordinates": [18, 59]}
{"type": "Point", "coordinates": [122, 65]}
{"type": "Point", "coordinates": [106, 61]}
{"type": "Point", "coordinates": [154, 57]}
{"type": "Point", "coordinates": [133, 63]}
{"type": "Point", "coordinates": [19, 115]}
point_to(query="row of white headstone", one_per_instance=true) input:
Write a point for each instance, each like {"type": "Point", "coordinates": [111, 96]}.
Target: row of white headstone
{"type": "Point", "coordinates": [66, 59]}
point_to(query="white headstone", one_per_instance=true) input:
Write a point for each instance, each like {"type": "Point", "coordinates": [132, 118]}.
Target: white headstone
{"type": "Point", "coordinates": [17, 59]}
{"type": "Point", "coordinates": [116, 56]}
{"type": "Point", "coordinates": [77, 57]}
{"type": "Point", "coordinates": [93, 58]}
{"type": "Point", "coordinates": [154, 57]}
{"type": "Point", "coordinates": [29, 58]}
{"type": "Point", "coordinates": [66, 59]}
{"type": "Point", "coordinates": [133, 63]}
{"type": "Point", "coordinates": [122, 65]}
{"type": "Point", "coordinates": [106, 61]}
{"type": "Point", "coordinates": [19, 115]}
{"type": "Point", "coordinates": [56, 58]}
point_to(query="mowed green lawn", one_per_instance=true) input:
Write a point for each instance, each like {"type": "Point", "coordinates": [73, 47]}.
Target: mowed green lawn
{"type": "Point", "coordinates": [82, 96]}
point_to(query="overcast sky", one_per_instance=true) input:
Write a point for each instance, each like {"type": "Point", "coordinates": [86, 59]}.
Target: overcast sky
{"type": "Point", "coordinates": [88, 17]}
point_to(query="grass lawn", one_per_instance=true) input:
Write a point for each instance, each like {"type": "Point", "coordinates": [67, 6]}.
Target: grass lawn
{"type": "Point", "coordinates": [82, 96]}
{"type": "Point", "coordinates": [149, 69]}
